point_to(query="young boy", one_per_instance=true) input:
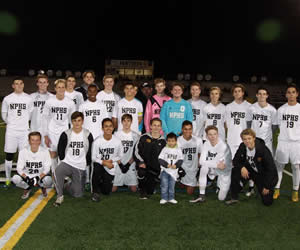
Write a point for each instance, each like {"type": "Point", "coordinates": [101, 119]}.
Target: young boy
{"type": "Point", "coordinates": [197, 105]}
{"type": "Point", "coordinates": [107, 153]}
{"type": "Point", "coordinates": [170, 159]}
{"type": "Point", "coordinates": [191, 147]}
{"type": "Point", "coordinates": [126, 173]}
{"type": "Point", "coordinates": [76, 96]}
{"type": "Point", "coordinates": [88, 77]}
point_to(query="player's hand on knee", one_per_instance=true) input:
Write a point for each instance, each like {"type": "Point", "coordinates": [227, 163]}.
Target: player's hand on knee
{"type": "Point", "coordinates": [245, 173]}
{"type": "Point", "coordinates": [265, 191]}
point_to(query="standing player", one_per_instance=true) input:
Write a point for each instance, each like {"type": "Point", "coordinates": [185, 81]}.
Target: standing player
{"type": "Point", "coordinates": [71, 93]}
{"type": "Point", "coordinates": [197, 105]}
{"type": "Point", "coordinates": [215, 161]}
{"type": "Point", "coordinates": [288, 147]}
{"type": "Point", "coordinates": [214, 112]}
{"type": "Point", "coordinates": [125, 173]}
{"type": "Point", "coordinates": [88, 79]}
{"type": "Point", "coordinates": [175, 111]}
{"type": "Point", "coordinates": [108, 96]}
{"type": "Point", "coordinates": [107, 152]}
{"type": "Point", "coordinates": [16, 112]}
{"type": "Point", "coordinates": [129, 105]}
{"type": "Point", "coordinates": [56, 118]}
{"type": "Point", "coordinates": [191, 147]}
{"type": "Point", "coordinates": [155, 103]}
{"type": "Point", "coordinates": [237, 114]}
{"type": "Point", "coordinates": [39, 99]}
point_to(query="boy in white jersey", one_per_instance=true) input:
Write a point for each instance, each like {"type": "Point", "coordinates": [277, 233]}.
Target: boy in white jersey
{"type": "Point", "coordinates": [33, 166]}
{"type": "Point", "coordinates": [74, 151]}
{"type": "Point", "coordinates": [288, 147]}
{"type": "Point", "coordinates": [16, 112]}
{"type": "Point", "coordinates": [197, 105]}
{"type": "Point", "coordinates": [76, 96]}
{"type": "Point", "coordinates": [107, 96]}
{"type": "Point", "coordinates": [39, 99]}
{"type": "Point", "coordinates": [107, 152]}
{"type": "Point", "coordinates": [170, 159]}
{"type": "Point", "coordinates": [237, 114]}
{"type": "Point", "coordinates": [191, 147]}
{"type": "Point", "coordinates": [214, 112]}
{"type": "Point", "coordinates": [125, 173]}
{"type": "Point", "coordinates": [215, 161]}
{"type": "Point", "coordinates": [129, 105]}
{"type": "Point", "coordinates": [56, 118]}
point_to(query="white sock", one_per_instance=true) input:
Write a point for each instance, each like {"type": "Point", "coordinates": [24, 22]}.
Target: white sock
{"type": "Point", "coordinates": [54, 164]}
{"type": "Point", "coordinates": [296, 176]}
{"type": "Point", "coordinates": [280, 168]}
{"type": "Point", "coordinates": [251, 183]}
{"type": "Point", "coordinates": [202, 190]}
{"type": "Point", "coordinates": [87, 171]}
{"type": "Point", "coordinates": [8, 167]}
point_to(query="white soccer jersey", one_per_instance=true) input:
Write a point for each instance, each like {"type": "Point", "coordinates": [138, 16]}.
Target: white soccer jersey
{"type": "Point", "coordinates": [76, 97]}
{"type": "Point", "coordinates": [16, 111]}
{"type": "Point", "coordinates": [94, 113]}
{"type": "Point", "coordinates": [215, 115]}
{"type": "Point", "coordinates": [57, 115]}
{"type": "Point", "coordinates": [134, 108]}
{"type": "Point", "coordinates": [289, 122]}
{"type": "Point", "coordinates": [33, 164]}
{"type": "Point", "coordinates": [262, 119]}
{"type": "Point", "coordinates": [110, 100]}
{"type": "Point", "coordinates": [236, 118]}
{"type": "Point", "coordinates": [171, 156]}
{"type": "Point", "coordinates": [39, 101]}
{"type": "Point", "coordinates": [75, 153]}
{"type": "Point", "coordinates": [103, 149]}
{"type": "Point", "coordinates": [197, 116]}
{"type": "Point", "coordinates": [128, 142]}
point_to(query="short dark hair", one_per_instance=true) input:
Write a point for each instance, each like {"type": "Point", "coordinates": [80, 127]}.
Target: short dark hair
{"type": "Point", "coordinates": [128, 83]}
{"type": "Point", "coordinates": [70, 76]}
{"type": "Point", "coordinates": [77, 114]}
{"type": "Point", "coordinates": [171, 136]}
{"type": "Point", "coordinates": [262, 88]}
{"type": "Point", "coordinates": [106, 120]}
{"type": "Point", "coordinates": [126, 116]}
{"type": "Point", "coordinates": [292, 85]}
{"type": "Point", "coordinates": [186, 122]}
{"type": "Point", "coordinates": [92, 86]}
{"type": "Point", "coordinates": [156, 119]}
{"type": "Point", "coordinates": [34, 133]}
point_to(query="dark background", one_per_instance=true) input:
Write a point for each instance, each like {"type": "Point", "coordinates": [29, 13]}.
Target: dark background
{"type": "Point", "coordinates": [218, 37]}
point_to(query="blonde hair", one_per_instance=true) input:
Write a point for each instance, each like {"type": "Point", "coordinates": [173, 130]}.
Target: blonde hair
{"type": "Point", "coordinates": [248, 131]}
{"type": "Point", "coordinates": [60, 81]}
{"type": "Point", "coordinates": [107, 77]}
{"type": "Point", "coordinates": [159, 80]}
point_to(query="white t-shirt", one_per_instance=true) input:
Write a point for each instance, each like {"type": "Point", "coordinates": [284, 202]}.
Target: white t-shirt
{"type": "Point", "coordinates": [75, 153]}
{"type": "Point", "coordinates": [76, 96]}
{"type": "Point", "coordinates": [16, 111]}
{"type": "Point", "coordinates": [94, 113]}
{"type": "Point", "coordinates": [250, 157]}
{"type": "Point", "coordinates": [110, 100]}
{"type": "Point", "coordinates": [197, 116]}
{"type": "Point", "coordinates": [103, 149]}
{"type": "Point", "coordinates": [33, 164]}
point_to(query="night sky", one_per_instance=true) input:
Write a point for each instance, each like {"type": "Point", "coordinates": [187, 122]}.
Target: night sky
{"type": "Point", "coordinates": [243, 37]}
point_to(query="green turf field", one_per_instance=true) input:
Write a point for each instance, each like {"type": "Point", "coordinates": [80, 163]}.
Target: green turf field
{"type": "Point", "coordinates": [122, 221]}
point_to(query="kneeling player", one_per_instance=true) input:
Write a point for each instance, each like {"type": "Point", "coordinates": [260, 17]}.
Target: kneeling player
{"type": "Point", "coordinates": [215, 161]}
{"type": "Point", "coordinates": [33, 166]}
{"type": "Point", "coordinates": [125, 173]}
{"type": "Point", "coordinates": [107, 153]}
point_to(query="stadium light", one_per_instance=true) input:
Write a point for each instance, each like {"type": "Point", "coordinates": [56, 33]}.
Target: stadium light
{"type": "Point", "coordinates": [180, 77]}
{"type": "Point", "coordinates": [31, 72]}
{"type": "Point", "coordinates": [3, 72]}
{"type": "Point", "coordinates": [50, 72]}
{"type": "Point", "coordinates": [187, 77]}
{"type": "Point", "coordinates": [77, 74]}
{"type": "Point", "coordinates": [41, 72]}
{"type": "Point", "coordinates": [208, 77]}
{"type": "Point", "coordinates": [199, 77]}
{"type": "Point", "coordinates": [68, 73]}
{"type": "Point", "coordinates": [289, 80]}
{"type": "Point", "coordinates": [58, 73]}
{"type": "Point", "coordinates": [253, 79]}
{"type": "Point", "coordinates": [264, 79]}
{"type": "Point", "coordinates": [235, 78]}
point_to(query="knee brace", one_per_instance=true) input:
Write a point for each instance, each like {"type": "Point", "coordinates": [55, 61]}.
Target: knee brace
{"type": "Point", "coordinates": [141, 173]}
{"type": "Point", "coordinates": [9, 156]}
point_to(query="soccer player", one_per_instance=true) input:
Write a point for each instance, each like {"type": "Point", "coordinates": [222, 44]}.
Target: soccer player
{"type": "Point", "coordinates": [214, 112]}
{"type": "Point", "coordinates": [56, 118]}
{"type": "Point", "coordinates": [74, 151]}
{"type": "Point", "coordinates": [129, 105]}
{"type": "Point", "coordinates": [16, 112]}
{"type": "Point", "coordinates": [39, 99]}
{"type": "Point", "coordinates": [155, 103]}
{"type": "Point", "coordinates": [175, 111]}
{"type": "Point", "coordinates": [170, 159]}
{"type": "Point", "coordinates": [125, 173]}
{"type": "Point", "coordinates": [253, 160]}
{"type": "Point", "coordinates": [191, 147]}
{"type": "Point", "coordinates": [76, 96]}
{"type": "Point", "coordinates": [107, 153]}
{"type": "Point", "coordinates": [108, 96]}
{"type": "Point", "coordinates": [237, 114]}
{"type": "Point", "coordinates": [215, 161]}
{"type": "Point", "coordinates": [88, 79]}
{"type": "Point", "coordinates": [288, 147]}
{"type": "Point", "coordinates": [197, 105]}
{"type": "Point", "coordinates": [33, 167]}
{"type": "Point", "coordinates": [146, 155]}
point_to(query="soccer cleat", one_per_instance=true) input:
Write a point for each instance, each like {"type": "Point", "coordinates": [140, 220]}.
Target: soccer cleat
{"type": "Point", "coordinates": [201, 198]}
{"type": "Point", "coordinates": [59, 201]}
{"type": "Point", "coordinates": [143, 196]}
{"type": "Point", "coordinates": [276, 193]}
{"type": "Point", "coordinates": [95, 197]}
{"type": "Point", "coordinates": [231, 202]}
{"type": "Point", "coordinates": [295, 197]}
{"type": "Point", "coordinates": [162, 201]}
{"type": "Point", "coordinates": [250, 192]}
{"type": "Point", "coordinates": [7, 183]}
{"type": "Point", "coordinates": [26, 194]}
{"type": "Point", "coordinates": [173, 201]}
{"type": "Point", "coordinates": [44, 192]}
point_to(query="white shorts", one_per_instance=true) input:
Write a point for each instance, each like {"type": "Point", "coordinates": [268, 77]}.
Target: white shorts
{"type": "Point", "coordinates": [190, 179]}
{"type": "Point", "coordinates": [15, 140]}
{"type": "Point", "coordinates": [288, 152]}
{"type": "Point", "coordinates": [129, 179]}
{"type": "Point", "coordinates": [54, 138]}
{"type": "Point", "coordinates": [269, 145]}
